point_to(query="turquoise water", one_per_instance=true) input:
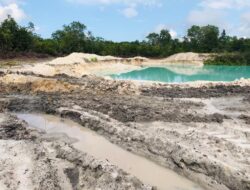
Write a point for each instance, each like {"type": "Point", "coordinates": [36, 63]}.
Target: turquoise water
{"type": "Point", "coordinates": [180, 74]}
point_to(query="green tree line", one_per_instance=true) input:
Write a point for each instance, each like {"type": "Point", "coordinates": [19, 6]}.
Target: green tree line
{"type": "Point", "coordinates": [76, 38]}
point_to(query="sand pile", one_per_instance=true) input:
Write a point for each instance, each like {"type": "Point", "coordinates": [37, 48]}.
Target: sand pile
{"type": "Point", "coordinates": [81, 58]}
{"type": "Point", "coordinates": [196, 58]}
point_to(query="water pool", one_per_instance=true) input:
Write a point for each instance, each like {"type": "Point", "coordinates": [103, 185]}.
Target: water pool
{"type": "Point", "coordinates": [180, 74]}
{"type": "Point", "coordinates": [99, 147]}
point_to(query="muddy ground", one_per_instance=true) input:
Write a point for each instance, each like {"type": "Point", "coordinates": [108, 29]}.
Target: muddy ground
{"type": "Point", "coordinates": [30, 160]}
{"type": "Point", "coordinates": [201, 133]}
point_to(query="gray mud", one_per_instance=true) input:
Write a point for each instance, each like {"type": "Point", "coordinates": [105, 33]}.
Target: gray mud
{"type": "Point", "coordinates": [31, 161]}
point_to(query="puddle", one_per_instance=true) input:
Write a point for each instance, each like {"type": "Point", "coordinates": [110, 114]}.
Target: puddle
{"type": "Point", "coordinates": [99, 147]}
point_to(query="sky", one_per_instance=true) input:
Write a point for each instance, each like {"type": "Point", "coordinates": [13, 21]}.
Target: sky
{"type": "Point", "coordinates": [129, 20]}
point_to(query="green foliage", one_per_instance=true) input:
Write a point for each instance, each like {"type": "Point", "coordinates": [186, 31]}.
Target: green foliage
{"type": "Point", "coordinates": [71, 38]}
{"type": "Point", "coordinates": [153, 38]}
{"type": "Point", "coordinates": [14, 38]}
{"type": "Point", "coordinates": [45, 46]}
{"type": "Point", "coordinates": [75, 38]}
{"type": "Point", "coordinates": [203, 39]}
{"type": "Point", "coordinates": [230, 59]}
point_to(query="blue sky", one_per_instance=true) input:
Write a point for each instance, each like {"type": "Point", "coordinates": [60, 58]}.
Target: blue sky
{"type": "Point", "coordinates": [128, 20]}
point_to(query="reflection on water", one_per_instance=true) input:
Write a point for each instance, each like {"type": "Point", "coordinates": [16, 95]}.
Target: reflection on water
{"type": "Point", "coordinates": [180, 74]}
{"type": "Point", "coordinates": [97, 146]}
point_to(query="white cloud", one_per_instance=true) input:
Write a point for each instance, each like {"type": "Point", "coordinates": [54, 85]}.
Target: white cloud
{"type": "Point", "coordinates": [244, 29]}
{"type": "Point", "coordinates": [206, 16]}
{"type": "Point", "coordinates": [129, 12]}
{"type": "Point", "coordinates": [125, 2]}
{"type": "Point", "coordinates": [217, 12]}
{"type": "Point", "coordinates": [160, 27]}
{"type": "Point", "coordinates": [12, 9]}
{"type": "Point", "coordinates": [131, 6]}
{"type": "Point", "coordinates": [225, 4]}
{"type": "Point", "coordinates": [173, 33]}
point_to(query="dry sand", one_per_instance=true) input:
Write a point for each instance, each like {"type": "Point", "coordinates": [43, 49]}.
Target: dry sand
{"type": "Point", "coordinates": [187, 58]}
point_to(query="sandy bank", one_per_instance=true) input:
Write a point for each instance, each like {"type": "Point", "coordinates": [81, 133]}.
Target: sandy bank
{"type": "Point", "coordinates": [78, 64]}
{"type": "Point", "coordinates": [187, 58]}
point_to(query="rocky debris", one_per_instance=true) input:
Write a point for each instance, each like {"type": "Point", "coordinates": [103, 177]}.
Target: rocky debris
{"type": "Point", "coordinates": [14, 129]}
{"type": "Point", "coordinates": [190, 92]}
{"type": "Point", "coordinates": [2, 73]}
{"type": "Point", "coordinates": [245, 118]}
{"type": "Point", "coordinates": [98, 84]}
{"type": "Point", "coordinates": [247, 99]}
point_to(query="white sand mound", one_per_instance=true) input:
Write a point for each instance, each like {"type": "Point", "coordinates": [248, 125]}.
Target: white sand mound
{"type": "Point", "coordinates": [81, 58]}
{"type": "Point", "coordinates": [189, 57]}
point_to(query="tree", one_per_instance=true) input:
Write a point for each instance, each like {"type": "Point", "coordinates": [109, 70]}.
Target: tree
{"type": "Point", "coordinates": [165, 37]}
{"type": "Point", "coordinates": [194, 38]}
{"type": "Point", "coordinates": [210, 38]}
{"type": "Point", "coordinates": [8, 30]}
{"type": "Point", "coordinates": [224, 41]}
{"type": "Point", "coordinates": [71, 38]}
{"type": "Point", "coordinates": [153, 38]}
{"type": "Point", "coordinates": [75, 38]}
{"type": "Point", "coordinates": [203, 39]}
{"type": "Point", "coordinates": [14, 37]}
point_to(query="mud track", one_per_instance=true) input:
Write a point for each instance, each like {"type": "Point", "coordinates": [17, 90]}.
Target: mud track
{"type": "Point", "coordinates": [201, 133]}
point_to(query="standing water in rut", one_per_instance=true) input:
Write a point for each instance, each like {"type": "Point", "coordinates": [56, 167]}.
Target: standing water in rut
{"type": "Point", "coordinates": [180, 74]}
{"type": "Point", "coordinates": [97, 146]}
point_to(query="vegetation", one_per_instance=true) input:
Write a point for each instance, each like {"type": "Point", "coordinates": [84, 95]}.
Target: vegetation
{"type": "Point", "coordinates": [230, 59]}
{"type": "Point", "coordinates": [94, 59]}
{"type": "Point", "coordinates": [75, 37]}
